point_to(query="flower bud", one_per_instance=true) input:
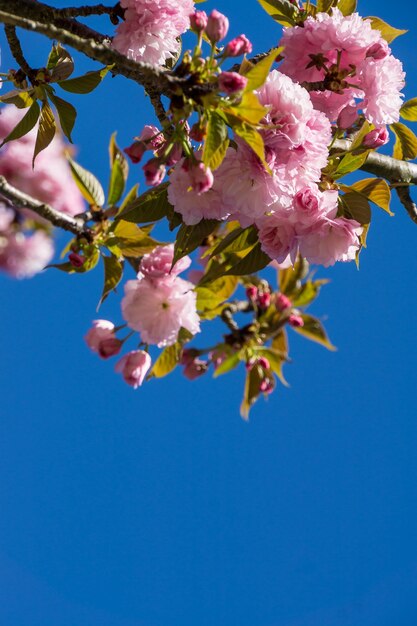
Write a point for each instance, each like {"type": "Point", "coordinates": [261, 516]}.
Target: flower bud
{"type": "Point", "coordinates": [201, 176]}
{"type": "Point", "coordinates": [251, 292]}
{"type": "Point", "coordinates": [134, 366]}
{"type": "Point", "coordinates": [282, 302]}
{"type": "Point", "coordinates": [198, 21]}
{"type": "Point", "coordinates": [76, 260]}
{"type": "Point", "coordinates": [232, 82]}
{"type": "Point", "coordinates": [217, 26]}
{"type": "Point", "coordinates": [136, 151]}
{"type": "Point", "coordinates": [376, 138]}
{"type": "Point", "coordinates": [154, 172]}
{"type": "Point", "coordinates": [100, 338]}
{"type": "Point", "coordinates": [264, 300]}
{"type": "Point", "coordinates": [296, 321]}
{"type": "Point", "coordinates": [195, 368]}
{"type": "Point", "coordinates": [239, 45]}
{"type": "Point", "coordinates": [266, 386]}
{"type": "Point", "coordinates": [109, 347]}
{"type": "Point", "coordinates": [198, 132]}
{"type": "Point", "coordinates": [264, 363]}
{"type": "Point", "coordinates": [347, 116]}
{"type": "Point", "coordinates": [378, 51]}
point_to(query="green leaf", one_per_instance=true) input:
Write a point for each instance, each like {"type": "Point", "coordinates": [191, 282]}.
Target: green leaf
{"type": "Point", "coordinates": [350, 163]}
{"type": "Point", "coordinates": [376, 190]}
{"type": "Point", "coordinates": [257, 75]}
{"type": "Point", "coordinates": [131, 240]}
{"type": "Point", "coordinates": [237, 240]}
{"type": "Point", "coordinates": [253, 262]}
{"type": "Point", "coordinates": [252, 390]}
{"type": "Point", "coordinates": [290, 278]}
{"type": "Point", "coordinates": [308, 292]}
{"type": "Point", "coordinates": [314, 330]}
{"type": "Point", "coordinates": [215, 293]}
{"type": "Point", "coordinates": [86, 83]}
{"type": "Point", "coordinates": [347, 7]}
{"type": "Point", "coordinates": [405, 146]}
{"type": "Point", "coordinates": [356, 206]}
{"type": "Point", "coordinates": [130, 197]}
{"type": "Point", "coordinates": [25, 125]}
{"type": "Point", "coordinates": [254, 140]}
{"type": "Point", "coordinates": [66, 112]}
{"type": "Point", "coordinates": [167, 361]}
{"type": "Point", "coordinates": [280, 343]}
{"type": "Point", "coordinates": [227, 365]}
{"type": "Point", "coordinates": [59, 63]}
{"type": "Point", "coordinates": [276, 360]}
{"type": "Point", "coordinates": [46, 130]}
{"type": "Point", "coordinates": [87, 183]}
{"type": "Point", "coordinates": [323, 6]}
{"type": "Point", "coordinates": [249, 109]}
{"type": "Point", "coordinates": [151, 206]}
{"type": "Point", "coordinates": [119, 172]}
{"type": "Point", "coordinates": [190, 237]}
{"type": "Point", "coordinates": [388, 32]}
{"type": "Point", "coordinates": [113, 272]}
{"type": "Point", "coordinates": [281, 11]}
{"type": "Point", "coordinates": [408, 110]}
{"type": "Point", "coordinates": [216, 142]}
{"type": "Point", "coordinates": [21, 99]}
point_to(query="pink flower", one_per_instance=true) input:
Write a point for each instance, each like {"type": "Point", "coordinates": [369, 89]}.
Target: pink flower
{"type": "Point", "coordinates": [201, 177]}
{"type": "Point", "coordinates": [334, 240]}
{"type": "Point", "coordinates": [134, 366]}
{"type": "Point", "coordinates": [237, 46]}
{"type": "Point", "coordinates": [154, 172]}
{"type": "Point", "coordinates": [217, 26]}
{"type": "Point", "coordinates": [198, 21]}
{"type": "Point", "coordinates": [278, 239]}
{"type": "Point", "coordinates": [101, 339]}
{"type": "Point", "coordinates": [6, 217]}
{"type": "Point", "coordinates": [136, 151]}
{"type": "Point", "coordinates": [382, 82]}
{"type": "Point", "coordinates": [151, 29]}
{"type": "Point", "coordinates": [159, 309]}
{"type": "Point", "coordinates": [347, 116]}
{"type": "Point", "coordinates": [157, 264]}
{"type": "Point", "coordinates": [23, 256]}
{"type": "Point", "coordinates": [232, 82]}
{"type": "Point", "coordinates": [376, 138]}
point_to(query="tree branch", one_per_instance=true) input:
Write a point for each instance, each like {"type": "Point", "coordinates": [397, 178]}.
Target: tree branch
{"type": "Point", "coordinates": [86, 11]}
{"type": "Point", "coordinates": [21, 200]}
{"type": "Point", "coordinates": [16, 49]}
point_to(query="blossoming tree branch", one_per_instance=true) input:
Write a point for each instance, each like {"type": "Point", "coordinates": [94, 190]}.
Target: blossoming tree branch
{"type": "Point", "coordinates": [245, 162]}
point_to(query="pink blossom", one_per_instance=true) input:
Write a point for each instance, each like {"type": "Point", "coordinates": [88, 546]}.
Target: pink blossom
{"type": "Point", "coordinates": [334, 240]}
{"type": "Point", "coordinates": [378, 50]}
{"type": "Point", "coordinates": [23, 256]}
{"type": "Point", "coordinates": [232, 82]}
{"type": "Point", "coordinates": [347, 116]}
{"type": "Point", "coordinates": [217, 26]}
{"type": "Point", "coordinates": [382, 82]}
{"type": "Point", "coordinates": [151, 28]}
{"type": "Point", "coordinates": [201, 177]}
{"type": "Point", "coordinates": [154, 172]}
{"type": "Point", "coordinates": [237, 46]}
{"type": "Point", "coordinates": [376, 138]}
{"type": "Point", "coordinates": [134, 366]}
{"type": "Point", "coordinates": [278, 239]}
{"type": "Point", "coordinates": [157, 264]}
{"type": "Point", "coordinates": [99, 336]}
{"type": "Point", "coordinates": [6, 217]}
{"type": "Point", "coordinates": [159, 309]}
{"type": "Point", "coordinates": [50, 181]}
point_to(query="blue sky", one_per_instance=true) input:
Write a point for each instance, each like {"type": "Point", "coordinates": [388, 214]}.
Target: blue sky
{"type": "Point", "coordinates": [161, 507]}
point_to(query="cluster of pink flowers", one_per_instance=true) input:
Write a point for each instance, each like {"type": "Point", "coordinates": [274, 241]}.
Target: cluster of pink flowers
{"type": "Point", "coordinates": [150, 30]}
{"type": "Point", "coordinates": [291, 212]}
{"type": "Point", "coordinates": [159, 303]}
{"type": "Point", "coordinates": [355, 56]}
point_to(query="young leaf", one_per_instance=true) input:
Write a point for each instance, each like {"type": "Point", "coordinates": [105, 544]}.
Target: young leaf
{"type": "Point", "coordinates": [87, 183]}
{"type": "Point", "coordinates": [257, 74]}
{"type": "Point", "coordinates": [323, 6]}
{"type": "Point", "coordinates": [308, 292]}
{"type": "Point", "coordinates": [66, 112]}
{"type": "Point", "coordinates": [151, 206]}
{"type": "Point", "coordinates": [276, 361]}
{"type": "Point", "coordinates": [46, 130]}
{"type": "Point", "coordinates": [350, 163]}
{"type": "Point", "coordinates": [254, 140]}
{"type": "Point", "coordinates": [25, 125]}
{"type": "Point", "coordinates": [249, 109]}
{"type": "Point", "coordinates": [356, 206]}
{"type": "Point", "coordinates": [408, 110]}
{"type": "Point", "coordinates": [190, 237]}
{"type": "Point", "coordinates": [314, 330]}
{"type": "Point", "coordinates": [59, 63]}
{"type": "Point", "coordinates": [167, 361]}
{"type": "Point", "coordinates": [21, 99]}
{"type": "Point", "coordinates": [84, 84]}
{"type": "Point", "coordinates": [237, 240]}
{"type": "Point", "coordinates": [376, 190]}
{"type": "Point", "coordinates": [347, 7]}
{"type": "Point", "coordinates": [130, 197]}
{"type": "Point", "coordinates": [212, 295]}
{"type": "Point", "coordinates": [113, 272]}
{"type": "Point", "coordinates": [216, 142]}
{"type": "Point", "coordinates": [227, 365]}
{"type": "Point", "coordinates": [289, 279]}
{"type": "Point", "coordinates": [253, 262]}
{"type": "Point", "coordinates": [131, 240]}
{"type": "Point", "coordinates": [118, 173]}
{"type": "Point", "coordinates": [282, 11]}
{"type": "Point", "coordinates": [388, 32]}
{"type": "Point", "coordinates": [252, 390]}
{"type": "Point", "coordinates": [405, 146]}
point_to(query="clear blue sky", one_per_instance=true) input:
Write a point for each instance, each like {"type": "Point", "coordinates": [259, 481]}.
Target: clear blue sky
{"type": "Point", "coordinates": [161, 507]}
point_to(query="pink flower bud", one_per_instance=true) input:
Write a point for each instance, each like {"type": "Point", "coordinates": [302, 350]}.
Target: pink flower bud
{"type": "Point", "coordinates": [232, 82]}
{"type": "Point", "coordinates": [109, 347]}
{"type": "Point", "coordinates": [198, 132]}
{"type": "Point", "coordinates": [154, 172]}
{"type": "Point", "coordinates": [198, 21]}
{"type": "Point", "coordinates": [134, 366]}
{"type": "Point", "coordinates": [264, 363]}
{"type": "Point", "coordinates": [347, 116]}
{"type": "Point", "coordinates": [239, 45]}
{"type": "Point", "coordinates": [102, 334]}
{"type": "Point", "coordinates": [175, 155]}
{"type": "Point", "coordinates": [201, 176]}
{"type": "Point", "coordinates": [376, 138]}
{"type": "Point", "coordinates": [266, 386]}
{"type": "Point", "coordinates": [251, 292]}
{"type": "Point", "coordinates": [136, 151]}
{"type": "Point", "coordinates": [296, 321]}
{"type": "Point", "coordinates": [282, 302]}
{"type": "Point", "coordinates": [76, 260]}
{"type": "Point", "coordinates": [264, 300]}
{"type": "Point", "coordinates": [217, 26]}
{"type": "Point", "coordinates": [378, 51]}
{"type": "Point", "coordinates": [195, 368]}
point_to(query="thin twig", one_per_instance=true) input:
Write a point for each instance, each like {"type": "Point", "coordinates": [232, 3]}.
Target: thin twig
{"type": "Point", "coordinates": [403, 192]}
{"type": "Point", "coordinates": [16, 49]}
{"type": "Point", "coordinates": [86, 11]}
{"type": "Point", "coordinates": [21, 200]}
